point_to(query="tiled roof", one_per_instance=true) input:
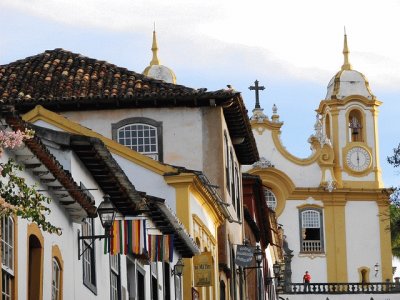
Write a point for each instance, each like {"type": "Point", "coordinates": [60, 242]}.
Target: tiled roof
{"type": "Point", "coordinates": [61, 182]}
{"type": "Point", "coordinates": [64, 76]}
{"type": "Point", "coordinates": [61, 80]}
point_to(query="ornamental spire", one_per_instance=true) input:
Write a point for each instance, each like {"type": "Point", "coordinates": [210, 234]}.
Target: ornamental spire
{"type": "Point", "coordinates": [154, 48]}
{"type": "Point", "coordinates": [346, 64]}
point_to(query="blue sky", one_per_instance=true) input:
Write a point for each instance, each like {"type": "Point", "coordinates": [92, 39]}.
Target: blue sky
{"type": "Point", "coordinates": [292, 47]}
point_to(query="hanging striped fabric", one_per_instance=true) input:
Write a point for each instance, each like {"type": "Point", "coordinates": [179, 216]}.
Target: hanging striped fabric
{"type": "Point", "coordinates": [161, 248]}
{"type": "Point", "coordinates": [129, 237]}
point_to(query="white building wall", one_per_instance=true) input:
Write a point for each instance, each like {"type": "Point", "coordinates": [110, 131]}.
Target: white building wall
{"type": "Point", "coordinates": [314, 264]}
{"type": "Point", "coordinates": [178, 126]}
{"type": "Point", "coordinates": [301, 175]}
{"type": "Point", "coordinates": [365, 231]}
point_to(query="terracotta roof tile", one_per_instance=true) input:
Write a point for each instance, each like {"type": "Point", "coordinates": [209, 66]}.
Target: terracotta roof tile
{"type": "Point", "coordinates": [60, 74]}
{"type": "Point", "coordinates": [61, 80]}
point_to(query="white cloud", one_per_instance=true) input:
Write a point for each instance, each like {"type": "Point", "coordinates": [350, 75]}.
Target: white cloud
{"type": "Point", "coordinates": [304, 37]}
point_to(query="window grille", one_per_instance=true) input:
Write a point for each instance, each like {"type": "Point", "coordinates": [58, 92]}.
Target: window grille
{"type": "Point", "coordinates": [55, 282]}
{"type": "Point", "coordinates": [270, 198]}
{"type": "Point", "coordinates": [141, 138]}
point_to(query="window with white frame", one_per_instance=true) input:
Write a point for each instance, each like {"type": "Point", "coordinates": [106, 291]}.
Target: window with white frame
{"type": "Point", "coordinates": [89, 262]}
{"type": "Point", "coordinates": [115, 278]}
{"type": "Point", "coordinates": [7, 256]}
{"type": "Point", "coordinates": [56, 280]}
{"type": "Point", "coordinates": [311, 233]}
{"type": "Point", "coordinates": [270, 198]}
{"type": "Point", "coordinates": [140, 134]}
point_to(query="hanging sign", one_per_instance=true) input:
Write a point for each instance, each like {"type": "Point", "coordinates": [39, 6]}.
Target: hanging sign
{"type": "Point", "coordinates": [203, 269]}
{"type": "Point", "coordinates": [244, 256]}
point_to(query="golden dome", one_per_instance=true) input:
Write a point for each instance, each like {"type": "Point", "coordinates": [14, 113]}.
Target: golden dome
{"type": "Point", "coordinates": [347, 81]}
{"type": "Point", "coordinates": [155, 69]}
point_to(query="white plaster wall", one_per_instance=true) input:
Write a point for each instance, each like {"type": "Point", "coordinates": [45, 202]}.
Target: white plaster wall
{"type": "Point", "coordinates": [147, 181]}
{"type": "Point", "coordinates": [362, 238]}
{"type": "Point", "coordinates": [178, 126]}
{"type": "Point", "coordinates": [302, 176]}
{"type": "Point", "coordinates": [300, 262]}
{"type": "Point", "coordinates": [198, 209]}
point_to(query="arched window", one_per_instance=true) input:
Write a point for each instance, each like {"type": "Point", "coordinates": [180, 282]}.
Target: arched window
{"type": "Point", "coordinates": [7, 257]}
{"type": "Point", "coordinates": [311, 230]}
{"type": "Point", "coordinates": [35, 262]}
{"type": "Point", "coordinates": [140, 134]}
{"type": "Point", "coordinates": [56, 281]}
{"type": "Point", "coordinates": [57, 274]}
{"type": "Point", "coordinates": [270, 198]}
{"type": "Point", "coordinates": [355, 126]}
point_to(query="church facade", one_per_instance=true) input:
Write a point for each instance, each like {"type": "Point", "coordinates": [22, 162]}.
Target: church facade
{"type": "Point", "coordinates": [332, 205]}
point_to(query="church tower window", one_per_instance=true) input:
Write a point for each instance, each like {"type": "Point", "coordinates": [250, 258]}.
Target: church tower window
{"type": "Point", "coordinates": [355, 126]}
{"type": "Point", "coordinates": [311, 234]}
{"type": "Point", "coordinates": [270, 198]}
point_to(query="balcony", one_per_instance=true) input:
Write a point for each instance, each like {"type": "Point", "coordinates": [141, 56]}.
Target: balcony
{"type": "Point", "coordinates": [341, 288]}
{"type": "Point", "coordinates": [311, 246]}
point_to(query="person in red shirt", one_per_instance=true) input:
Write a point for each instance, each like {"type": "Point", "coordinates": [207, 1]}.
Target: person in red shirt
{"type": "Point", "coordinates": [306, 281]}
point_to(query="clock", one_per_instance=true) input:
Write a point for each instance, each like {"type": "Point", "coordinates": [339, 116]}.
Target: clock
{"type": "Point", "coordinates": [358, 159]}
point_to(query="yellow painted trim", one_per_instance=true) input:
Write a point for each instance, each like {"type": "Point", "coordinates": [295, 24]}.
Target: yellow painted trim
{"type": "Point", "coordinates": [366, 274]}
{"type": "Point", "coordinates": [40, 113]}
{"type": "Point", "coordinates": [182, 183]}
{"type": "Point", "coordinates": [274, 127]}
{"type": "Point", "coordinates": [214, 252]}
{"type": "Point", "coordinates": [378, 172]}
{"type": "Point", "coordinates": [361, 184]}
{"type": "Point", "coordinates": [385, 244]}
{"type": "Point", "coordinates": [310, 206]}
{"type": "Point", "coordinates": [346, 168]}
{"type": "Point", "coordinates": [336, 103]}
{"type": "Point", "coordinates": [56, 253]}
{"type": "Point", "coordinates": [298, 161]}
{"type": "Point", "coordinates": [204, 227]}
{"type": "Point", "coordinates": [280, 184]}
{"type": "Point", "coordinates": [34, 230]}
{"type": "Point", "coordinates": [207, 201]}
{"type": "Point", "coordinates": [336, 249]}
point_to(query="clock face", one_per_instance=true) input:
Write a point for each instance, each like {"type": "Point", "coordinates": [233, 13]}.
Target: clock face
{"type": "Point", "coordinates": [358, 159]}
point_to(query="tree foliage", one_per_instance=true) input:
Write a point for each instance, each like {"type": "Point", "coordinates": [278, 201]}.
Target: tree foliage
{"type": "Point", "coordinates": [16, 196]}
{"type": "Point", "coordinates": [394, 160]}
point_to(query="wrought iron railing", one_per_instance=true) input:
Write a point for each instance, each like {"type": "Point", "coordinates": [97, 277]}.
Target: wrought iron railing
{"type": "Point", "coordinates": [341, 288]}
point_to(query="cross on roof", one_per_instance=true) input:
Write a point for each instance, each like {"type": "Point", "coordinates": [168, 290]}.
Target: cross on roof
{"type": "Point", "coordinates": [257, 88]}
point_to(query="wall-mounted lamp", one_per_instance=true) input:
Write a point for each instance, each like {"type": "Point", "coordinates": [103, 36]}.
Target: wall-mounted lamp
{"type": "Point", "coordinates": [106, 212]}
{"type": "Point", "coordinates": [258, 255]}
{"type": "Point", "coordinates": [376, 268]}
{"type": "Point", "coordinates": [178, 268]}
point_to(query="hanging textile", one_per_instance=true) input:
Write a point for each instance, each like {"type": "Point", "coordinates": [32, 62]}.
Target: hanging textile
{"type": "Point", "coordinates": [161, 247]}
{"type": "Point", "coordinates": [128, 237]}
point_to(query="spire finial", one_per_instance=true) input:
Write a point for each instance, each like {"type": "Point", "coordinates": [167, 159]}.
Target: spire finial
{"type": "Point", "coordinates": [346, 64]}
{"type": "Point", "coordinates": [154, 48]}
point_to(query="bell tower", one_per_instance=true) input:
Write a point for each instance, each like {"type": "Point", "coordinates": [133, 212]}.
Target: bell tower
{"type": "Point", "coordinates": [350, 120]}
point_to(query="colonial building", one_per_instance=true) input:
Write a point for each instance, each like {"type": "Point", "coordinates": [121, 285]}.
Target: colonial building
{"type": "Point", "coordinates": [332, 204]}
{"type": "Point", "coordinates": [207, 134]}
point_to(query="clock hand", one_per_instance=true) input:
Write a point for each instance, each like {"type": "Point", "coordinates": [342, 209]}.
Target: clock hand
{"type": "Point", "coordinates": [358, 159]}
